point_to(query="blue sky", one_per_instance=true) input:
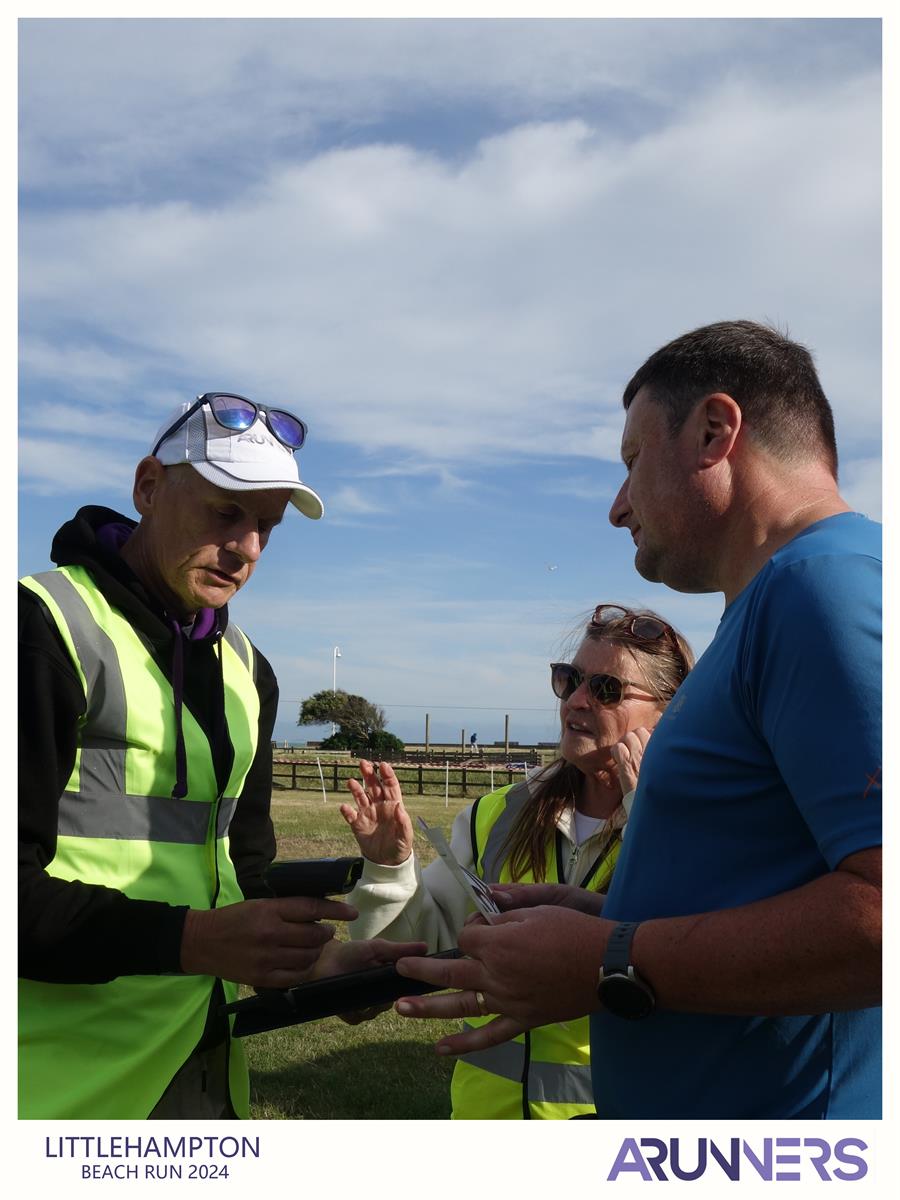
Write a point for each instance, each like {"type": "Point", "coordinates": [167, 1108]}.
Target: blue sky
{"type": "Point", "coordinates": [446, 245]}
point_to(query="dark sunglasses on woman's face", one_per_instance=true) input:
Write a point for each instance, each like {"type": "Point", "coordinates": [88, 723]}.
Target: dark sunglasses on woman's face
{"type": "Point", "coordinates": [604, 689]}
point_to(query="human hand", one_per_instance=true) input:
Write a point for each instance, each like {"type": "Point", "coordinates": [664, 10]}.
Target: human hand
{"type": "Point", "coordinates": [379, 820]}
{"type": "Point", "coordinates": [528, 895]}
{"type": "Point", "coordinates": [265, 943]}
{"type": "Point", "coordinates": [533, 966]}
{"type": "Point", "coordinates": [627, 756]}
{"type": "Point", "coordinates": [340, 958]}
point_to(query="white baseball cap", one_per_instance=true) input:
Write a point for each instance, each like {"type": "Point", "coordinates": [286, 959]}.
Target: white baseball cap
{"type": "Point", "coordinates": [239, 460]}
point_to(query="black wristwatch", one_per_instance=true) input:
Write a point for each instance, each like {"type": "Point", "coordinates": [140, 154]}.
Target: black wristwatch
{"type": "Point", "coordinates": [621, 990]}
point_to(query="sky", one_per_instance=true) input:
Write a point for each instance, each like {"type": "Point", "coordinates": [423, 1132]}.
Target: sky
{"type": "Point", "coordinates": [446, 245]}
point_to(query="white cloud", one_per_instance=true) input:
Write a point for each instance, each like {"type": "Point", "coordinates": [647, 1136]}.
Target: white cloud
{"type": "Point", "coordinates": [449, 243]}
{"type": "Point", "coordinates": [188, 91]}
{"type": "Point", "coordinates": [77, 364]}
{"type": "Point", "coordinates": [51, 467]}
{"type": "Point", "coordinates": [495, 305]}
{"type": "Point", "coordinates": [580, 487]}
{"type": "Point", "coordinates": [447, 481]}
{"type": "Point", "coordinates": [97, 424]}
{"type": "Point", "coordinates": [350, 501]}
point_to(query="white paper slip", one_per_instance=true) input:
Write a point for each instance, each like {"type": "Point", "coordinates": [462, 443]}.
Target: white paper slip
{"type": "Point", "coordinates": [476, 889]}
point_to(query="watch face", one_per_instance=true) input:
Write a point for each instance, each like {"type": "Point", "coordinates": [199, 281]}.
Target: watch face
{"type": "Point", "coordinates": [626, 997]}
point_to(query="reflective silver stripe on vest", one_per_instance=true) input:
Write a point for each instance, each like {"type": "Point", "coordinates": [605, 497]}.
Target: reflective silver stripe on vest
{"type": "Point", "coordinates": [238, 644]}
{"type": "Point", "coordinates": [105, 686]}
{"type": "Point", "coordinates": [226, 812]}
{"type": "Point", "coordinates": [133, 818]}
{"type": "Point", "coordinates": [550, 1083]}
{"type": "Point", "coordinates": [103, 809]}
{"type": "Point", "coordinates": [242, 648]}
{"type": "Point", "coordinates": [493, 859]}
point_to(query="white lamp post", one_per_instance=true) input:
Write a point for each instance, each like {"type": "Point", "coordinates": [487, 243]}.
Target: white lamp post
{"type": "Point", "coordinates": [334, 657]}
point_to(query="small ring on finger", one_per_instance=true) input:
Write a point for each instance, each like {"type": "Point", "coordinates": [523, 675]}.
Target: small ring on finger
{"type": "Point", "coordinates": [482, 1004]}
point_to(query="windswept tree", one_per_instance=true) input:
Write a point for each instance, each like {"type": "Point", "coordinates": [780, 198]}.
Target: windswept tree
{"type": "Point", "coordinates": [360, 723]}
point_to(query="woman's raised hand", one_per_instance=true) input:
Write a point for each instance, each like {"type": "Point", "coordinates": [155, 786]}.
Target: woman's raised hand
{"type": "Point", "coordinates": [627, 755]}
{"type": "Point", "coordinates": [379, 820]}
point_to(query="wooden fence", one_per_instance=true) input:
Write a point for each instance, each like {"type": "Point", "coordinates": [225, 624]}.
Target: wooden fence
{"type": "Point", "coordinates": [418, 779]}
{"type": "Point", "coordinates": [471, 758]}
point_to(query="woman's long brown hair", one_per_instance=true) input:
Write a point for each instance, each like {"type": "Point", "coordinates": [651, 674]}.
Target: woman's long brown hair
{"type": "Point", "coordinates": [665, 663]}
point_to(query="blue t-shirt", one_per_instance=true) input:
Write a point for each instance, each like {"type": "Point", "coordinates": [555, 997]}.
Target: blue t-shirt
{"type": "Point", "coordinates": [763, 774]}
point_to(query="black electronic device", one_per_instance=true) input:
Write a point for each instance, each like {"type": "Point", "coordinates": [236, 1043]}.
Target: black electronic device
{"type": "Point", "coordinates": [327, 997]}
{"type": "Point", "coordinates": [313, 876]}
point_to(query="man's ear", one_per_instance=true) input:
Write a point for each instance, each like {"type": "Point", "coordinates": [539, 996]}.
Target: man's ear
{"type": "Point", "coordinates": [148, 477]}
{"type": "Point", "coordinates": [718, 423]}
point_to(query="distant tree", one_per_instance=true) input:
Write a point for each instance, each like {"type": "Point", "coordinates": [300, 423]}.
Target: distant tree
{"type": "Point", "coordinates": [360, 722]}
{"type": "Point", "coordinates": [337, 741]}
{"type": "Point", "coordinates": [384, 745]}
{"type": "Point", "coordinates": [322, 708]}
{"type": "Point", "coordinates": [381, 745]}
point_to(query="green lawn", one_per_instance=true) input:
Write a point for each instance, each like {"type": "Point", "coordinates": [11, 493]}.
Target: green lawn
{"type": "Point", "coordinates": [385, 1068]}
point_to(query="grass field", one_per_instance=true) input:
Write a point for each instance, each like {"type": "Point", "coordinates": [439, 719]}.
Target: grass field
{"type": "Point", "coordinates": [381, 1069]}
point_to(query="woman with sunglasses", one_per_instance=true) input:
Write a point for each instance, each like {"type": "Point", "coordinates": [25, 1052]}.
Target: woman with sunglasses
{"type": "Point", "coordinates": [562, 826]}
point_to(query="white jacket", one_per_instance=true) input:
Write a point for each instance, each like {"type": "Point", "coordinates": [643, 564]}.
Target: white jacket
{"type": "Point", "coordinates": [406, 903]}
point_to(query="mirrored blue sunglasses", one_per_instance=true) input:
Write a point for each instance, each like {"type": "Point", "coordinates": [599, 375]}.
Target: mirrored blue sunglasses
{"type": "Point", "coordinates": [237, 413]}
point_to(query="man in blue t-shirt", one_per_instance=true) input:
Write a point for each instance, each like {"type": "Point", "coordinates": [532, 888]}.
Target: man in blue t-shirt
{"type": "Point", "coordinates": [736, 969]}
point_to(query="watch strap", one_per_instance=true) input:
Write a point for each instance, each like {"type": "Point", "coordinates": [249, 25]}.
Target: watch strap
{"type": "Point", "coordinates": [617, 956]}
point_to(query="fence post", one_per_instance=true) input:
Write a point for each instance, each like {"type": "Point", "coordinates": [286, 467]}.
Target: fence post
{"type": "Point", "coordinates": [335, 772]}
{"type": "Point", "coordinates": [293, 775]}
{"type": "Point", "coordinates": [464, 783]}
{"type": "Point", "coordinates": [421, 788]}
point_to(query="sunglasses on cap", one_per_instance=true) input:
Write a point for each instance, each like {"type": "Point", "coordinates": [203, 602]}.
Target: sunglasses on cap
{"type": "Point", "coordinates": [237, 413]}
{"type": "Point", "coordinates": [603, 689]}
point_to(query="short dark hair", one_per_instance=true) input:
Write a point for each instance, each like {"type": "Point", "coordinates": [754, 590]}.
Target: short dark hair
{"type": "Point", "coordinates": [773, 380]}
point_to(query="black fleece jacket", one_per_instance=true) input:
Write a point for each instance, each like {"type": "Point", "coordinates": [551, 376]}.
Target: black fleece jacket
{"type": "Point", "coordinates": [72, 932]}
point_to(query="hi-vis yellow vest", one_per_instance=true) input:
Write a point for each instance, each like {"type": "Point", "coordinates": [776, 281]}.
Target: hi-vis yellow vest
{"type": "Point", "coordinates": [544, 1074]}
{"type": "Point", "coordinates": [109, 1050]}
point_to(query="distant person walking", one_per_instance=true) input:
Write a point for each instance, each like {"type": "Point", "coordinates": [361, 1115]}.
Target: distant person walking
{"type": "Point", "coordinates": [473, 744]}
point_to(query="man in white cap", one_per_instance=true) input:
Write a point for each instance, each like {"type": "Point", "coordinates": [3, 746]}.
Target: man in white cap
{"type": "Point", "coordinates": [145, 783]}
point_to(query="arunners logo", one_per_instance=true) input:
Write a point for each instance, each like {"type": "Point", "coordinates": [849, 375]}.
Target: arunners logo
{"type": "Point", "coordinates": [774, 1159]}
{"type": "Point", "coordinates": [258, 439]}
